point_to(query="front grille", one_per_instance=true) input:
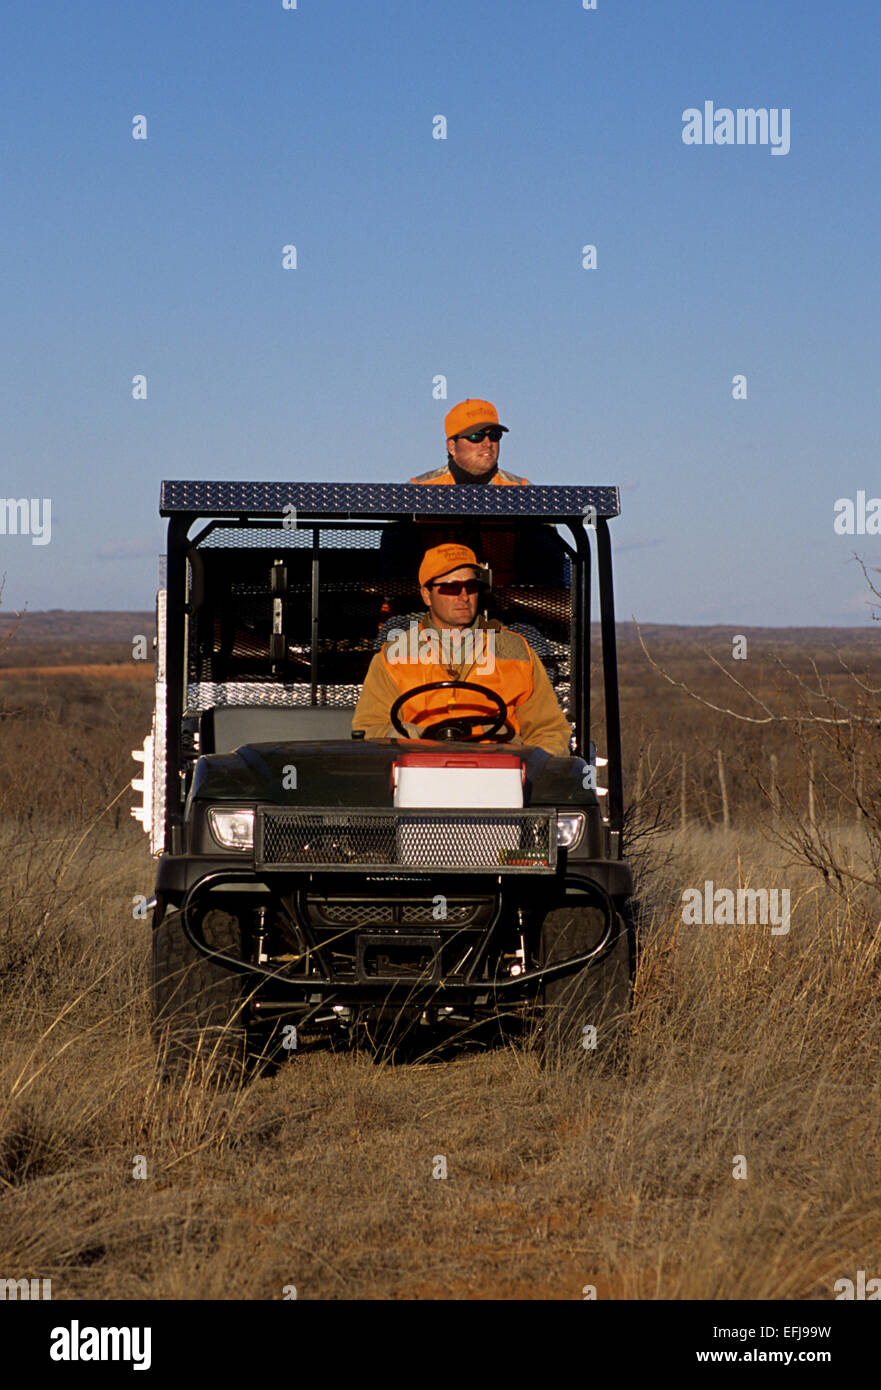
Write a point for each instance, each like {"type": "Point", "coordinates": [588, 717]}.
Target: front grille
{"type": "Point", "coordinates": [398, 912]}
{"type": "Point", "coordinates": [504, 842]}
{"type": "Point", "coordinates": [404, 912]}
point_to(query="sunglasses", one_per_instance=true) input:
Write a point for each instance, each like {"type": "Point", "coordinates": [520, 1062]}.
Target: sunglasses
{"type": "Point", "coordinates": [478, 436]}
{"type": "Point", "coordinates": [454, 587]}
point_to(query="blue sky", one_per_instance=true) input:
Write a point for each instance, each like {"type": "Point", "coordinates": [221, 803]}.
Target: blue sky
{"type": "Point", "coordinates": [418, 257]}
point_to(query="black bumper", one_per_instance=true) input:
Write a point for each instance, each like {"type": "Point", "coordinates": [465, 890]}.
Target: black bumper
{"type": "Point", "coordinates": [317, 992]}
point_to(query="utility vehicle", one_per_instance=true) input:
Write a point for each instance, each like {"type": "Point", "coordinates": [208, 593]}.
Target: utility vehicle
{"type": "Point", "coordinates": [311, 879]}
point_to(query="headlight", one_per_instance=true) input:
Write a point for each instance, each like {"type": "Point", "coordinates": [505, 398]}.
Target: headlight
{"type": "Point", "coordinates": [232, 829]}
{"type": "Point", "coordinates": [570, 828]}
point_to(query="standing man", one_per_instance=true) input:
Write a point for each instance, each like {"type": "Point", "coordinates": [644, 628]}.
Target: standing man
{"type": "Point", "coordinates": [473, 437]}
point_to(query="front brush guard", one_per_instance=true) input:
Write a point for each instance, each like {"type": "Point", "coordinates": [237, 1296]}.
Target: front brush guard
{"type": "Point", "coordinates": [352, 988]}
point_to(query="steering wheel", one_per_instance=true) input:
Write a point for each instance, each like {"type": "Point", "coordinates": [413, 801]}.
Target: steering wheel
{"type": "Point", "coordinates": [464, 727]}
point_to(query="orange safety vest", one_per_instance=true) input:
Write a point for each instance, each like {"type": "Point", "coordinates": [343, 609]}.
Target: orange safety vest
{"type": "Point", "coordinates": [444, 477]}
{"type": "Point", "coordinates": [493, 657]}
{"type": "Point", "coordinates": [411, 657]}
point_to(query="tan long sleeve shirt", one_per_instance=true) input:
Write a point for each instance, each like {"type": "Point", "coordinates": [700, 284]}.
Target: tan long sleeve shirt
{"type": "Point", "coordinates": [487, 654]}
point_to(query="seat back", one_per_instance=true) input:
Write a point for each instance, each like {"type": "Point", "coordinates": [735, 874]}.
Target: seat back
{"type": "Point", "coordinates": [225, 728]}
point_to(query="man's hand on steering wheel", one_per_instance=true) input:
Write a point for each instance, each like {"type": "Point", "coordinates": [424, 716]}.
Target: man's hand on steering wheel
{"type": "Point", "coordinates": [464, 728]}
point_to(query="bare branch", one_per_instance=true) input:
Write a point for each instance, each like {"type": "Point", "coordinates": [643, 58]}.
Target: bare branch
{"type": "Point", "coordinates": [8, 636]}
{"type": "Point", "coordinates": [861, 563]}
{"type": "Point", "coordinates": [733, 714]}
{"type": "Point", "coordinates": [869, 689]}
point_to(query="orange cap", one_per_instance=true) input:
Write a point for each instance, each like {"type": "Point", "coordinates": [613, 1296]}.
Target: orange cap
{"type": "Point", "coordinates": [467, 414]}
{"type": "Point", "coordinates": [444, 558]}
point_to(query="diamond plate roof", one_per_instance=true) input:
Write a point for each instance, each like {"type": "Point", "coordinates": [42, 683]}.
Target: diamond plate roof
{"type": "Point", "coordinates": [360, 501]}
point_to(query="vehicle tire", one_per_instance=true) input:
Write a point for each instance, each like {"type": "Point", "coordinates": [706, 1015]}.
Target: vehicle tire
{"type": "Point", "coordinates": [198, 1005]}
{"type": "Point", "coordinates": [586, 1015]}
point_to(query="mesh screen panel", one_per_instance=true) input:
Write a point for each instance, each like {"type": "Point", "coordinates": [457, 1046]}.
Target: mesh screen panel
{"type": "Point", "coordinates": [365, 579]}
{"type": "Point", "coordinates": [208, 695]}
{"type": "Point", "coordinates": [504, 843]}
{"type": "Point", "coordinates": [385, 913]}
{"type": "Point", "coordinates": [277, 537]}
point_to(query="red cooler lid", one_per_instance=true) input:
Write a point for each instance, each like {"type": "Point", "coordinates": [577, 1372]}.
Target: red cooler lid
{"type": "Point", "coordinates": [482, 758]}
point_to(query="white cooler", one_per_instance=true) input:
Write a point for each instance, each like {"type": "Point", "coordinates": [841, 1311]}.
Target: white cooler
{"type": "Point", "coordinates": [456, 782]}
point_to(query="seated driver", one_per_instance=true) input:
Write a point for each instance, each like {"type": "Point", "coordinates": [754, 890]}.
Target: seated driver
{"type": "Point", "coordinates": [451, 642]}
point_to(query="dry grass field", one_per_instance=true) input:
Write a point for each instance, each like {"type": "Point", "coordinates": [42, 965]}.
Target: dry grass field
{"type": "Point", "coordinates": [751, 1052]}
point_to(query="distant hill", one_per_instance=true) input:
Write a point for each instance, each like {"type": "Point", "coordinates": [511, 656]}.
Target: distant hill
{"type": "Point", "coordinates": [60, 637]}
{"type": "Point", "coordinates": [62, 625]}
{"type": "Point", "coordinates": [765, 636]}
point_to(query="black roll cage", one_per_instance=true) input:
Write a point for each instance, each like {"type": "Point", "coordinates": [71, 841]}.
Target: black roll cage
{"type": "Point", "coordinates": [356, 505]}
